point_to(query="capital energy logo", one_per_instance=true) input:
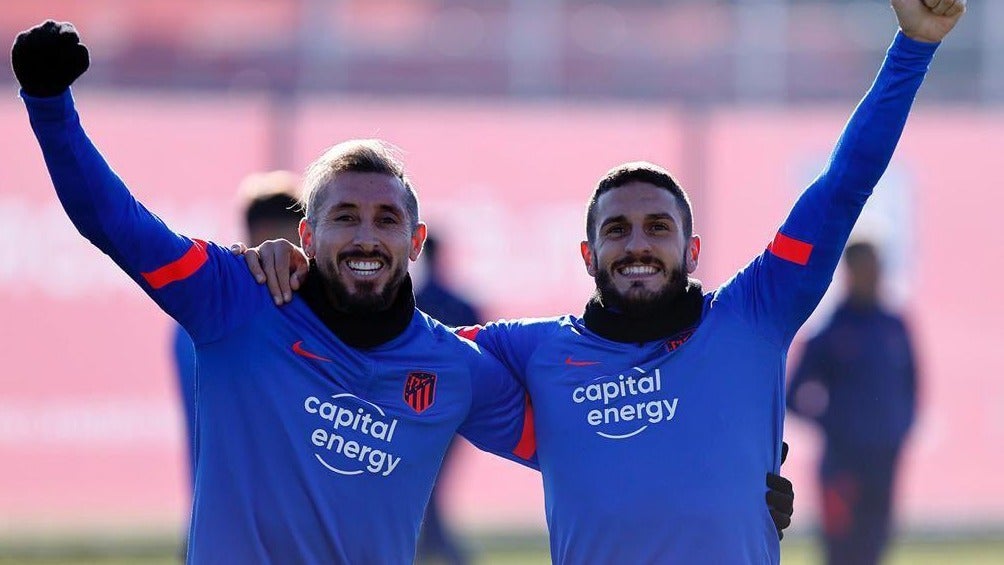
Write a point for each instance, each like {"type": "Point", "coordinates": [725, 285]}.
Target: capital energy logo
{"type": "Point", "coordinates": [623, 406]}
{"type": "Point", "coordinates": [354, 437]}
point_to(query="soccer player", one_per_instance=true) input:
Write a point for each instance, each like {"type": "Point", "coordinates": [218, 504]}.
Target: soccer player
{"type": "Point", "coordinates": [658, 411]}
{"type": "Point", "coordinates": [321, 425]}
{"type": "Point", "coordinates": [857, 381]}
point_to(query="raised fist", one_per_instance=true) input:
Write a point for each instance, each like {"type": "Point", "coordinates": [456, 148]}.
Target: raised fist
{"type": "Point", "coordinates": [928, 20]}
{"type": "Point", "coordinates": [47, 58]}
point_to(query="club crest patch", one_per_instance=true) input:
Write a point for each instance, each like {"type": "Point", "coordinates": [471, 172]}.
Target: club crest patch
{"type": "Point", "coordinates": [420, 390]}
{"type": "Point", "coordinates": [679, 339]}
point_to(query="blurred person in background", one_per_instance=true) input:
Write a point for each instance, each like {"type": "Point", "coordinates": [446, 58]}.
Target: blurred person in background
{"type": "Point", "coordinates": [857, 381]}
{"type": "Point", "coordinates": [271, 206]}
{"type": "Point", "coordinates": [659, 411]}
{"type": "Point", "coordinates": [434, 295]}
{"type": "Point", "coordinates": [435, 298]}
{"type": "Point", "coordinates": [320, 426]}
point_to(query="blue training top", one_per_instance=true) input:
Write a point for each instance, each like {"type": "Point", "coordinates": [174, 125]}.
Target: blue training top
{"type": "Point", "coordinates": [185, 368]}
{"type": "Point", "coordinates": [307, 450]}
{"type": "Point", "coordinates": [657, 452]}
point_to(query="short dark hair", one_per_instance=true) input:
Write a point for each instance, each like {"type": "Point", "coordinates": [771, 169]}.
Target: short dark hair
{"type": "Point", "coordinates": [638, 171]}
{"type": "Point", "coordinates": [271, 197]}
{"type": "Point", "coordinates": [858, 249]}
{"type": "Point", "coordinates": [358, 156]}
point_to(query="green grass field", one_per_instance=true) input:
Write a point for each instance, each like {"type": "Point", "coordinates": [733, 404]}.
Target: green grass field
{"type": "Point", "coordinates": [803, 552]}
{"type": "Point", "coordinates": [794, 552]}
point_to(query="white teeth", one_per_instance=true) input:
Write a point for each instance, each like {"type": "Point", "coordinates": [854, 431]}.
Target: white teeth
{"type": "Point", "coordinates": [365, 267]}
{"type": "Point", "coordinates": [638, 270]}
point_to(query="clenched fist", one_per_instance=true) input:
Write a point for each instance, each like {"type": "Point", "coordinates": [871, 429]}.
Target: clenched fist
{"type": "Point", "coordinates": [928, 20]}
{"type": "Point", "coordinates": [47, 58]}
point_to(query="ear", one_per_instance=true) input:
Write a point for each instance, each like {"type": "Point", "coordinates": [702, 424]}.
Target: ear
{"type": "Point", "coordinates": [588, 258]}
{"type": "Point", "coordinates": [417, 241]}
{"type": "Point", "coordinates": [693, 253]}
{"type": "Point", "coordinates": [307, 238]}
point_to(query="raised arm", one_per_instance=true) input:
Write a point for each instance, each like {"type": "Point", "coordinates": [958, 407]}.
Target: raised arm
{"type": "Point", "coordinates": [188, 278]}
{"type": "Point", "coordinates": [780, 288]}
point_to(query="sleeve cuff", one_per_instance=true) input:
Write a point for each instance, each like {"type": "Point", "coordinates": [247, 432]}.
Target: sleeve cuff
{"type": "Point", "coordinates": [911, 52]}
{"type": "Point", "coordinates": [49, 108]}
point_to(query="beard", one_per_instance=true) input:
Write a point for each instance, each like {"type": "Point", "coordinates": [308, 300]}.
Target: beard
{"type": "Point", "coordinates": [646, 302]}
{"type": "Point", "coordinates": [365, 299]}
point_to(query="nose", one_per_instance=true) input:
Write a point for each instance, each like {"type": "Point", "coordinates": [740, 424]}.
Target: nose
{"type": "Point", "coordinates": [638, 243]}
{"type": "Point", "coordinates": [365, 237]}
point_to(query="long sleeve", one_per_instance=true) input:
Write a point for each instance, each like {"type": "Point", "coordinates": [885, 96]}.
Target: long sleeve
{"type": "Point", "coordinates": [199, 284]}
{"type": "Point", "coordinates": [780, 288]}
{"type": "Point", "coordinates": [500, 420]}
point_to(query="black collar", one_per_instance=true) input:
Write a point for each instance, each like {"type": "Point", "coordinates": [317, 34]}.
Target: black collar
{"type": "Point", "coordinates": [662, 323]}
{"type": "Point", "coordinates": [362, 330]}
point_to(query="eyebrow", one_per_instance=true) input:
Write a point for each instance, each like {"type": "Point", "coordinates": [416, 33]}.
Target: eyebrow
{"type": "Point", "coordinates": [648, 217]}
{"type": "Point", "coordinates": [343, 206]}
{"type": "Point", "coordinates": [613, 220]}
{"type": "Point", "coordinates": [382, 207]}
{"type": "Point", "coordinates": [661, 216]}
{"type": "Point", "coordinates": [391, 208]}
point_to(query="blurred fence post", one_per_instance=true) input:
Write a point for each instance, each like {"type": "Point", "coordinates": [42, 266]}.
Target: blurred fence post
{"type": "Point", "coordinates": [760, 48]}
{"type": "Point", "coordinates": [534, 47]}
{"type": "Point", "coordinates": [992, 73]}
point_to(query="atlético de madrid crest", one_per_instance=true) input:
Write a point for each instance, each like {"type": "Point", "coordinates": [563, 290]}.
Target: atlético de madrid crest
{"type": "Point", "coordinates": [420, 390]}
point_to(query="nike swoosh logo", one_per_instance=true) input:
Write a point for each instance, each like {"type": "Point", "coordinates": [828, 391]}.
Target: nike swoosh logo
{"type": "Point", "coordinates": [299, 350]}
{"type": "Point", "coordinates": [569, 361]}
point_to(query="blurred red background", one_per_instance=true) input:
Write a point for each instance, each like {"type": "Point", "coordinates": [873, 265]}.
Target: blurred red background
{"type": "Point", "coordinates": [90, 428]}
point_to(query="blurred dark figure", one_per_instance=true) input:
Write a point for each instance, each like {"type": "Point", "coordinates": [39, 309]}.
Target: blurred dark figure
{"type": "Point", "coordinates": [271, 211]}
{"type": "Point", "coordinates": [437, 300]}
{"type": "Point", "coordinates": [857, 380]}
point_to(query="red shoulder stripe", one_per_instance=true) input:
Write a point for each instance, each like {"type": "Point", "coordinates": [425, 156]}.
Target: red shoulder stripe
{"type": "Point", "coordinates": [181, 269]}
{"type": "Point", "coordinates": [790, 249]}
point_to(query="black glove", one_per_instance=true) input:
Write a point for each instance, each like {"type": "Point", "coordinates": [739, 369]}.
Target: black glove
{"type": "Point", "coordinates": [48, 58]}
{"type": "Point", "coordinates": [780, 497]}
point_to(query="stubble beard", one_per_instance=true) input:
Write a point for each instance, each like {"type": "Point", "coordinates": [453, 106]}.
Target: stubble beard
{"type": "Point", "coordinates": [648, 303]}
{"type": "Point", "coordinates": [365, 300]}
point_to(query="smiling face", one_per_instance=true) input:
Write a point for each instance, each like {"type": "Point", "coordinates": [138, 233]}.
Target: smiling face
{"type": "Point", "coordinates": [640, 255]}
{"type": "Point", "coordinates": [361, 237]}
